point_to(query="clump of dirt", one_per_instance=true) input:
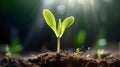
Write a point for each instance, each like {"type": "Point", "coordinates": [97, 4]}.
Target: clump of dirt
{"type": "Point", "coordinates": [63, 59]}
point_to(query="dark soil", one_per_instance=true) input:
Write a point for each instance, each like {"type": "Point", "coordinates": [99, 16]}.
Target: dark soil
{"type": "Point", "coordinates": [63, 59]}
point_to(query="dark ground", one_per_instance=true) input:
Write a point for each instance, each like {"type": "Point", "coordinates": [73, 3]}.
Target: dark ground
{"type": "Point", "coordinates": [63, 59]}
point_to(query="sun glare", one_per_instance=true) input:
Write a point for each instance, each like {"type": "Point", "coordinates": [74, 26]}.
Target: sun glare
{"type": "Point", "coordinates": [92, 2]}
{"type": "Point", "coordinates": [81, 1]}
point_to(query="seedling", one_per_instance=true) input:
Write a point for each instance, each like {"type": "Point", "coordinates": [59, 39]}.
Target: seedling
{"type": "Point", "coordinates": [61, 26]}
{"type": "Point", "coordinates": [100, 52]}
{"type": "Point", "coordinates": [77, 50]}
{"type": "Point", "coordinates": [8, 53]}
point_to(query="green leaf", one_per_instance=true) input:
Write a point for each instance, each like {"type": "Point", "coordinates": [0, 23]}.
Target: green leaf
{"type": "Point", "coordinates": [50, 19]}
{"type": "Point", "coordinates": [59, 28]}
{"type": "Point", "coordinates": [67, 23]}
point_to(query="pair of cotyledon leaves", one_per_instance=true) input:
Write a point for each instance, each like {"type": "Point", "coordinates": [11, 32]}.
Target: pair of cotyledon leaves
{"type": "Point", "coordinates": [61, 27]}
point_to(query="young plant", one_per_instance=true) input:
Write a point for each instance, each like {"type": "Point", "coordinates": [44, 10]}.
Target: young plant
{"type": "Point", "coordinates": [100, 52]}
{"type": "Point", "coordinates": [77, 50]}
{"type": "Point", "coordinates": [8, 53]}
{"type": "Point", "coordinates": [61, 26]}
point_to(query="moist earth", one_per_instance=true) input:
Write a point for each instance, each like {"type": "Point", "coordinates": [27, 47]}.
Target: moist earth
{"type": "Point", "coordinates": [63, 59]}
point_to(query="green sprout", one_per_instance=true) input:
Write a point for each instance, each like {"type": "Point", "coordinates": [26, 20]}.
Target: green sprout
{"type": "Point", "coordinates": [100, 52]}
{"type": "Point", "coordinates": [77, 50]}
{"type": "Point", "coordinates": [8, 53]}
{"type": "Point", "coordinates": [60, 28]}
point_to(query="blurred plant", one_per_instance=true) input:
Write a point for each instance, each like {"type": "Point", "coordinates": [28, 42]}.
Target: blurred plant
{"type": "Point", "coordinates": [61, 27]}
{"type": "Point", "coordinates": [101, 42]}
{"type": "Point", "coordinates": [77, 50]}
{"type": "Point", "coordinates": [15, 44]}
{"type": "Point", "coordinates": [80, 39]}
{"type": "Point", "coordinates": [100, 52]}
{"type": "Point", "coordinates": [8, 53]}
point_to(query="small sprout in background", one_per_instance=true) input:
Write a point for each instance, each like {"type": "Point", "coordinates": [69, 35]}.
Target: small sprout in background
{"type": "Point", "coordinates": [60, 28]}
{"type": "Point", "coordinates": [101, 42]}
{"type": "Point", "coordinates": [8, 53]}
{"type": "Point", "coordinates": [100, 47]}
{"type": "Point", "coordinates": [100, 52]}
{"type": "Point", "coordinates": [77, 50]}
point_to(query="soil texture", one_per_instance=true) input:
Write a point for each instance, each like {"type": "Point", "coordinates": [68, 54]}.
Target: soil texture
{"type": "Point", "coordinates": [63, 59]}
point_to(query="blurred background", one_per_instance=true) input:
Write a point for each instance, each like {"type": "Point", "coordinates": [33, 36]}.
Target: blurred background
{"type": "Point", "coordinates": [23, 27]}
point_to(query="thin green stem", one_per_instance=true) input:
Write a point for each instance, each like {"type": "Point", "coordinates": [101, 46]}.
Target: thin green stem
{"type": "Point", "coordinates": [58, 44]}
